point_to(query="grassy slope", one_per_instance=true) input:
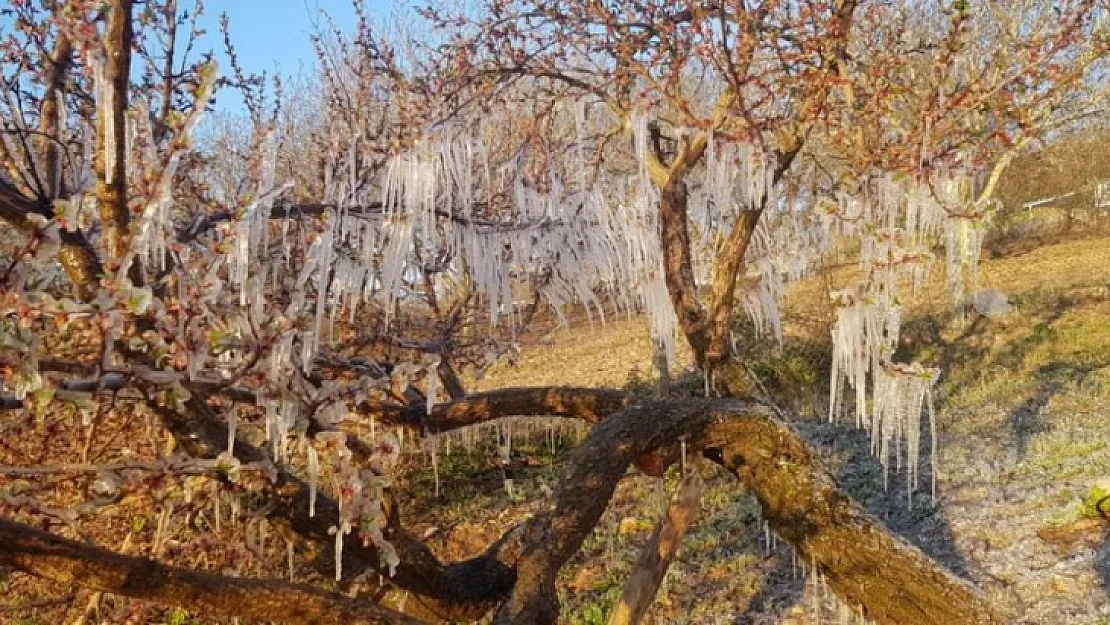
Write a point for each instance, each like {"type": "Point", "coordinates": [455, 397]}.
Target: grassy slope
{"type": "Point", "coordinates": [1024, 427]}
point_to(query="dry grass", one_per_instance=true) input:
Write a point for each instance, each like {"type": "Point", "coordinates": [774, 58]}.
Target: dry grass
{"type": "Point", "coordinates": [581, 355]}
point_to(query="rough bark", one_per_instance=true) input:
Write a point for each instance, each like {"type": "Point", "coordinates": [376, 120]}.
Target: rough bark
{"type": "Point", "coordinates": [893, 582]}
{"type": "Point", "coordinates": [678, 268]}
{"type": "Point", "coordinates": [111, 153]}
{"type": "Point", "coordinates": [589, 404]}
{"type": "Point", "coordinates": [50, 118]}
{"type": "Point", "coordinates": [866, 565]}
{"type": "Point", "coordinates": [640, 589]}
{"type": "Point", "coordinates": [77, 255]}
{"type": "Point", "coordinates": [46, 555]}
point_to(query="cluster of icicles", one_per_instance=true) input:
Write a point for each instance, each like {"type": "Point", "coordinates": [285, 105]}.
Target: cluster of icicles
{"type": "Point", "coordinates": [602, 238]}
{"type": "Point", "coordinates": [897, 220]}
{"type": "Point", "coordinates": [588, 237]}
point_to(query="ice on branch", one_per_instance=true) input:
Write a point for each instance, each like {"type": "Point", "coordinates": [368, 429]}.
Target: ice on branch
{"type": "Point", "coordinates": [902, 393]}
{"type": "Point", "coordinates": [864, 335]}
{"type": "Point", "coordinates": [963, 244]}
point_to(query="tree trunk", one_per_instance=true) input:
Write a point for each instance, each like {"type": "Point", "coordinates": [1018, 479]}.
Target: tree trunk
{"type": "Point", "coordinates": [113, 82]}
{"type": "Point", "coordinates": [678, 269]}
{"type": "Point", "coordinates": [866, 565]}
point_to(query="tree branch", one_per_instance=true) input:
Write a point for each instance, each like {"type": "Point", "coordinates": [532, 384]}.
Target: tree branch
{"type": "Point", "coordinates": [462, 591]}
{"type": "Point", "coordinates": [111, 153]}
{"type": "Point", "coordinates": [50, 116]}
{"type": "Point", "coordinates": [656, 557]}
{"type": "Point", "coordinates": [202, 224]}
{"type": "Point", "coordinates": [48, 556]}
{"type": "Point", "coordinates": [589, 404]}
{"type": "Point", "coordinates": [77, 255]}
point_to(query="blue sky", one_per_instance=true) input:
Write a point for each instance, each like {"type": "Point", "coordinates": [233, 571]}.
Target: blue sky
{"type": "Point", "coordinates": [274, 34]}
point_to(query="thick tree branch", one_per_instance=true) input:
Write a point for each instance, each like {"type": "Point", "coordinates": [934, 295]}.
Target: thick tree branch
{"type": "Point", "coordinates": [893, 582]}
{"type": "Point", "coordinates": [726, 270]}
{"type": "Point", "coordinates": [589, 404]}
{"type": "Point", "coordinates": [866, 565]}
{"type": "Point", "coordinates": [114, 80]}
{"type": "Point", "coordinates": [46, 555]}
{"type": "Point", "coordinates": [678, 268]}
{"type": "Point", "coordinates": [201, 224]}
{"type": "Point", "coordinates": [77, 255]}
{"type": "Point", "coordinates": [556, 532]}
{"type": "Point", "coordinates": [462, 591]}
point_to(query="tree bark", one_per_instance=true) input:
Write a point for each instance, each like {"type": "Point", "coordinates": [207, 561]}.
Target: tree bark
{"type": "Point", "coordinates": [640, 589]}
{"type": "Point", "coordinates": [891, 581]}
{"type": "Point", "coordinates": [77, 255]}
{"type": "Point", "coordinates": [678, 269]}
{"type": "Point", "coordinates": [589, 404]}
{"type": "Point", "coordinates": [451, 382]}
{"type": "Point", "coordinates": [111, 154]}
{"type": "Point", "coordinates": [866, 565]}
{"type": "Point", "coordinates": [50, 118]}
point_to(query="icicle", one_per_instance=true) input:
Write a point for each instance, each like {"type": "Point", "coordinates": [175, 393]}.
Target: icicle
{"type": "Point", "coordinates": [435, 467]}
{"type": "Point", "coordinates": [289, 557]}
{"type": "Point", "coordinates": [232, 422]}
{"type": "Point", "coordinates": [313, 476]}
{"type": "Point", "coordinates": [339, 532]}
{"type": "Point", "coordinates": [433, 384]}
{"type": "Point", "coordinates": [901, 392]}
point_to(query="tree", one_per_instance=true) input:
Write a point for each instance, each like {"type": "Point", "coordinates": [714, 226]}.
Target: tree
{"type": "Point", "coordinates": [566, 152]}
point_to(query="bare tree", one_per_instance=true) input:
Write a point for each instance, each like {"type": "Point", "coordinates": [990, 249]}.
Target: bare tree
{"type": "Point", "coordinates": [629, 156]}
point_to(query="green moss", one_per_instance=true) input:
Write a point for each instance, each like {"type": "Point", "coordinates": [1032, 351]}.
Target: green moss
{"type": "Point", "coordinates": [177, 616]}
{"type": "Point", "coordinates": [1097, 497]}
{"type": "Point", "coordinates": [597, 610]}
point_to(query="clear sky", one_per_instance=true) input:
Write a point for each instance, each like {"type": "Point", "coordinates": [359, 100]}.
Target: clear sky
{"type": "Point", "coordinates": [274, 34]}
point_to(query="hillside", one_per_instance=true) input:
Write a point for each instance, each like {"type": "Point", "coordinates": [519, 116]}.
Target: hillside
{"type": "Point", "coordinates": [1024, 427]}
